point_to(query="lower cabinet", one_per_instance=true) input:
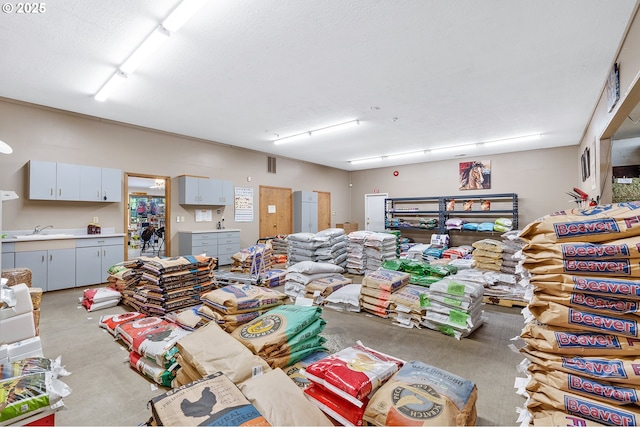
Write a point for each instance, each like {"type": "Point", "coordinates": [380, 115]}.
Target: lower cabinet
{"type": "Point", "coordinates": [94, 257]}
{"type": "Point", "coordinates": [51, 269]}
{"type": "Point", "coordinates": [219, 244]}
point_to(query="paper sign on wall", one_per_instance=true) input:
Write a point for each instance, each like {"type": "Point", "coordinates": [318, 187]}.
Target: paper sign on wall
{"type": "Point", "coordinates": [204, 215]}
{"type": "Point", "coordinates": [271, 209]}
{"type": "Point", "coordinates": [243, 204]}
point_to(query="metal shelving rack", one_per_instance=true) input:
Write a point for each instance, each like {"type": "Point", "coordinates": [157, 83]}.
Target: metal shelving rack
{"type": "Point", "coordinates": [409, 210]}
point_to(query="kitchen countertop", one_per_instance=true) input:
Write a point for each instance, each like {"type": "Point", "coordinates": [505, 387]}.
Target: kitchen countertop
{"type": "Point", "coordinates": [215, 230]}
{"type": "Point", "coordinates": [57, 236]}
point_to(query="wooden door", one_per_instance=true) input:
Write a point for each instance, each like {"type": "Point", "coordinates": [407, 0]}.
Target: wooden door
{"type": "Point", "coordinates": [275, 211]}
{"type": "Point", "coordinates": [324, 210]}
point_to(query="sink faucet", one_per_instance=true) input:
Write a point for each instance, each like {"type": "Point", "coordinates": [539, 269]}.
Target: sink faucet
{"type": "Point", "coordinates": [39, 229]}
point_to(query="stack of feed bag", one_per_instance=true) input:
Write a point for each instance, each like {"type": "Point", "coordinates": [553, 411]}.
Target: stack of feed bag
{"type": "Point", "coordinates": [279, 249]}
{"type": "Point", "coordinates": [100, 298]}
{"type": "Point", "coordinates": [299, 275]}
{"type": "Point", "coordinates": [421, 394]}
{"type": "Point", "coordinates": [487, 254]}
{"type": "Point", "coordinates": [415, 251]}
{"type": "Point", "coordinates": [319, 290]}
{"type": "Point", "coordinates": [422, 273]}
{"type": "Point", "coordinates": [236, 304]}
{"type": "Point", "coordinates": [406, 306]}
{"type": "Point", "coordinates": [356, 258]}
{"type": "Point", "coordinates": [438, 243]}
{"type": "Point", "coordinates": [512, 281]}
{"type": "Point", "coordinates": [151, 342]}
{"type": "Point", "coordinates": [188, 318]}
{"type": "Point", "coordinates": [377, 287]}
{"type": "Point", "coordinates": [347, 298]}
{"type": "Point", "coordinates": [453, 306]}
{"type": "Point", "coordinates": [301, 247]}
{"type": "Point", "coordinates": [17, 323]}
{"type": "Point", "coordinates": [272, 278]}
{"type": "Point", "coordinates": [379, 247]}
{"type": "Point", "coordinates": [342, 383]}
{"type": "Point", "coordinates": [170, 284]}
{"type": "Point", "coordinates": [253, 260]}
{"type": "Point", "coordinates": [124, 275]}
{"type": "Point", "coordinates": [284, 335]}
{"type": "Point", "coordinates": [582, 324]}
{"type": "Point", "coordinates": [31, 388]}
{"type": "Point", "coordinates": [332, 246]}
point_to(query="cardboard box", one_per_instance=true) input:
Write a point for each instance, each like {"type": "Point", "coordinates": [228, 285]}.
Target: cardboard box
{"type": "Point", "coordinates": [348, 227]}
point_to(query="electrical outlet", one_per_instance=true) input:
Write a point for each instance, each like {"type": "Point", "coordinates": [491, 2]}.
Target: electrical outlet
{"type": "Point", "coordinates": [95, 220]}
{"type": "Point", "coordinates": [177, 219]}
{"type": "Point", "coordinates": [181, 219]}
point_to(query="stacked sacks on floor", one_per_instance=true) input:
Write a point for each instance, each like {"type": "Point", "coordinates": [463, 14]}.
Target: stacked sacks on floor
{"type": "Point", "coordinates": [512, 282]}
{"type": "Point", "coordinates": [343, 382]}
{"type": "Point", "coordinates": [236, 304]}
{"type": "Point", "coordinates": [368, 249]}
{"type": "Point", "coordinates": [272, 278]}
{"type": "Point", "coordinates": [170, 284]}
{"type": "Point", "coordinates": [253, 260]}
{"type": "Point", "coordinates": [301, 247]}
{"type": "Point", "coordinates": [453, 306]}
{"type": "Point", "coordinates": [377, 287]}
{"type": "Point", "coordinates": [125, 278]}
{"type": "Point", "coordinates": [284, 335]}
{"type": "Point", "coordinates": [487, 254]}
{"type": "Point", "coordinates": [356, 258]}
{"type": "Point", "coordinates": [422, 273]}
{"type": "Point", "coordinates": [582, 342]}
{"type": "Point", "coordinates": [406, 306]}
{"type": "Point", "coordinates": [151, 342]}
{"type": "Point", "coordinates": [100, 298]}
{"type": "Point", "coordinates": [332, 246]}
{"type": "Point", "coordinates": [279, 248]}
{"type": "Point", "coordinates": [300, 275]}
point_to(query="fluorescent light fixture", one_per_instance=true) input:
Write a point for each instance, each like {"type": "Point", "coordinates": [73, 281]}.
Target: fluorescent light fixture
{"type": "Point", "coordinates": [148, 46]}
{"type": "Point", "coordinates": [182, 13]}
{"type": "Point", "coordinates": [112, 84]}
{"type": "Point", "coordinates": [452, 148]}
{"type": "Point", "coordinates": [406, 155]}
{"type": "Point", "coordinates": [369, 160]}
{"type": "Point", "coordinates": [5, 148]}
{"type": "Point", "coordinates": [517, 139]}
{"type": "Point", "coordinates": [326, 129]}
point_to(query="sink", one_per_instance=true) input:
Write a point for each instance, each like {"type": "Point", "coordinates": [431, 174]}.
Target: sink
{"type": "Point", "coordinates": [42, 236]}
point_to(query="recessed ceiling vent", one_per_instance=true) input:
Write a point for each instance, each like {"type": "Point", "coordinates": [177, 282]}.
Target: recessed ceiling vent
{"type": "Point", "coordinates": [271, 164]}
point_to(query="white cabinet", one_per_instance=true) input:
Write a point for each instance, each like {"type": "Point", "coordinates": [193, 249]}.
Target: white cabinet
{"type": "Point", "coordinates": [195, 190]}
{"type": "Point", "coordinates": [51, 269]}
{"type": "Point", "coordinates": [305, 212]}
{"type": "Point", "coordinates": [100, 184]}
{"type": "Point", "coordinates": [223, 193]}
{"type": "Point", "coordinates": [62, 181]}
{"type": "Point", "coordinates": [53, 181]}
{"type": "Point", "coordinates": [94, 257]}
{"type": "Point", "coordinates": [218, 244]}
{"type": "Point", "coordinates": [8, 256]}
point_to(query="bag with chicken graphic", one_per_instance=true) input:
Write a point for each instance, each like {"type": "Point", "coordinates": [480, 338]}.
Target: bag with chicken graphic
{"type": "Point", "coordinates": [354, 372]}
{"type": "Point", "coordinates": [212, 400]}
{"type": "Point", "coordinates": [423, 395]}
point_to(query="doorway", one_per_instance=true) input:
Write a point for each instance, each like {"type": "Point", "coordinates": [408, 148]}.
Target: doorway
{"type": "Point", "coordinates": [148, 208]}
{"type": "Point", "coordinates": [374, 211]}
{"type": "Point", "coordinates": [324, 210]}
{"type": "Point", "coordinates": [276, 211]}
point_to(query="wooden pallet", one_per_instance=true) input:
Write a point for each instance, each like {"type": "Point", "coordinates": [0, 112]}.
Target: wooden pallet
{"type": "Point", "coordinates": [503, 302]}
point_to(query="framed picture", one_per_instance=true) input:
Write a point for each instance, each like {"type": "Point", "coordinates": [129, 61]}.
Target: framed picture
{"type": "Point", "coordinates": [585, 163]}
{"type": "Point", "coordinates": [613, 87]}
{"type": "Point", "coordinates": [475, 175]}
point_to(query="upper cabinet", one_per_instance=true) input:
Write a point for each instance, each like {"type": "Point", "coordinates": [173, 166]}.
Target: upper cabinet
{"type": "Point", "coordinates": [62, 181]}
{"type": "Point", "coordinates": [204, 191]}
{"type": "Point", "coordinates": [100, 184]}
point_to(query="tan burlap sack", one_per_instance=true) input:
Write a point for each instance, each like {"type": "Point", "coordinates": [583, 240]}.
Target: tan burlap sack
{"type": "Point", "coordinates": [551, 313]}
{"type": "Point", "coordinates": [281, 402]}
{"type": "Point", "coordinates": [551, 417]}
{"type": "Point", "coordinates": [209, 349]}
{"type": "Point", "coordinates": [423, 395]}
{"type": "Point", "coordinates": [576, 342]}
{"type": "Point", "coordinates": [597, 224]}
{"type": "Point", "coordinates": [605, 267]}
{"type": "Point", "coordinates": [543, 397]}
{"type": "Point", "coordinates": [609, 393]}
{"type": "Point", "coordinates": [559, 284]}
{"type": "Point", "coordinates": [612, 369]}
{"type": "Point", "coordinates": [604, 305]}
{"type": "Point", "coordinates": [234, 299]}
{"type": "Point", "coordinates": [623, 248]}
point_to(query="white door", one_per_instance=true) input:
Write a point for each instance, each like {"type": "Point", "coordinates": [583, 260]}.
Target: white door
{"type": "Point", "coordinates": [374, 211]}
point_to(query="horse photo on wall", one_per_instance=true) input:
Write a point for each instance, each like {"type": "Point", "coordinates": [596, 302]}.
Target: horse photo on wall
{"type": "Point", "coordinates": [475, 175]}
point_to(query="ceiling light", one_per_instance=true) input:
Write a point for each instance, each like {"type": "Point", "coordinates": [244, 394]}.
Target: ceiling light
{"type": "Point", "coordinates": [181, 14]}
{"type": "Point", "coordinates": [148, 46]}
{"type": "Point", "coordinates": [326, 129]}
{"type": "Point", "coordinates": [112, 84]}
{"type": "Point", "coordinates": [405, 155]}
{"type": "Point", "coordinates": [5, 148]}
{"type": "Point", "coordinates": [158, 183]}
{"type": "Point", "coordinates": [517, 139]}
{"type": "Point", "coordinates": [369, 160]}
{"type": "Point", "coordinates": [452, 148]}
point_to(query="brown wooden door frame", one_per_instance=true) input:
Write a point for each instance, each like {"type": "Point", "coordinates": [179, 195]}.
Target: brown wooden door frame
{"type": "Point", "coordinates": [282, 223]}
{"type": "Point", "coordinates": [167, 210]}
{"type": "Point", "coordinates": [324, 210]}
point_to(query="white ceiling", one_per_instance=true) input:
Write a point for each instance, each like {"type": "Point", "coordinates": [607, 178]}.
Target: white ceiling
{"type": "Point", "coordinates": [418, 74]}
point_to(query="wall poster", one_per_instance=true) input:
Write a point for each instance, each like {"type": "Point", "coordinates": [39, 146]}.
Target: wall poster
{"type": "Point", "coordinates": [475, 175]}
{"type": "Point", "coordinates": [243, 204]}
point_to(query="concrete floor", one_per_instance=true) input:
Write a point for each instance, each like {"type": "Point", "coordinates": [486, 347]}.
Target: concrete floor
{"type": "Point", "coordinates": [107, 392]}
